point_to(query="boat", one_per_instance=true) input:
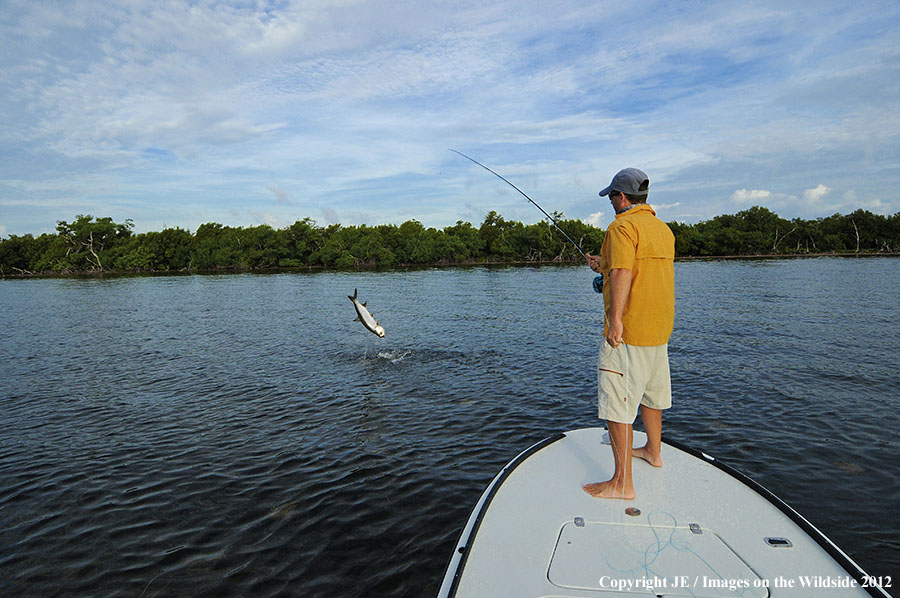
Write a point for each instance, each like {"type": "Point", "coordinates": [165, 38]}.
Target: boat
{"type": "Point", "coordinates": [697, 527]}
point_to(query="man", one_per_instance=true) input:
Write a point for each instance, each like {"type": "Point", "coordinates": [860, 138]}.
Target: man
{"type": "Point", "coordinates": [636, 261]}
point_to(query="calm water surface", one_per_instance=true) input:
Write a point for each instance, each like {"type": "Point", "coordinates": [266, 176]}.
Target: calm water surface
{"type": "Point", "coordinates": [240, 435]}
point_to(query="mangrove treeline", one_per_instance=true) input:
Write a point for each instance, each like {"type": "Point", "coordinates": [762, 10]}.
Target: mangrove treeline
{"type": "Point", "coordinates": [89, 244]}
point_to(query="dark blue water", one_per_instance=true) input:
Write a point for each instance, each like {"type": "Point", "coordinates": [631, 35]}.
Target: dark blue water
{"type": "Point", "coordinates": [240, 435]}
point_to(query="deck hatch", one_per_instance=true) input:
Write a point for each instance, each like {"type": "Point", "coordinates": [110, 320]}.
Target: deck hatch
{"type": "Point", "coordinates": [668, 561]}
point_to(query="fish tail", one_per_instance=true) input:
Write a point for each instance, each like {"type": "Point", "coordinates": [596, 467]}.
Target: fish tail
{"type": "Point", "coordinates": [354, 295]}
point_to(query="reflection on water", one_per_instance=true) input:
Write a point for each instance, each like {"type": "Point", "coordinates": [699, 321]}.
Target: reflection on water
{"type": "Point", "coordinates": [241, 435]}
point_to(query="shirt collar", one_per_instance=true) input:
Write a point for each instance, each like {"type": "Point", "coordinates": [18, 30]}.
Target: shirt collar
{"type": "Point", "coordinates": [640, 207]}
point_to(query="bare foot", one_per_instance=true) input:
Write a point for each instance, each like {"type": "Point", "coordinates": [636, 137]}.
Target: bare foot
{"type": "Point", "coordinates": [644, 453]}
{"type": "Point", "coordinates": [609, 489]}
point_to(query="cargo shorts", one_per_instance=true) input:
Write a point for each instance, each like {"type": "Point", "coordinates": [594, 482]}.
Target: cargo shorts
{"type": "Point", "coordinates": [629, 376]}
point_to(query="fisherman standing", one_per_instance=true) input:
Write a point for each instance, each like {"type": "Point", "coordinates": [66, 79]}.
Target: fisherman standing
{"type": "Point", "coordinates": [636, 262]}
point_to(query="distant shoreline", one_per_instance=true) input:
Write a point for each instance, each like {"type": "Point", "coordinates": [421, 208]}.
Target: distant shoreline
{"type": "Point", "coordinates": [396, 267]}
{"type": "Point", "coordinates": [763, 256]}
{"type": "Point", "coordinates": [89, 245]}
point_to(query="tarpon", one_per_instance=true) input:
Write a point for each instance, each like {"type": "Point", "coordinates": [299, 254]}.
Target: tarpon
{"type": "Point", "coordinates": [362, 315]}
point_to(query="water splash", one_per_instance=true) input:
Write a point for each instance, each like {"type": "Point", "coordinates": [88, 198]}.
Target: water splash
{"type": "Point", "coordinates": [394, 356]}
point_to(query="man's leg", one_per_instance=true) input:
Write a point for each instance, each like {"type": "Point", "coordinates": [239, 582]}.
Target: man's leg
{"type": "Point", "coordinates": [656, 398]}
{"type": "Point", "coordinates": [621, 485]}
{"type": "Point", "coordinates": [650, 452]}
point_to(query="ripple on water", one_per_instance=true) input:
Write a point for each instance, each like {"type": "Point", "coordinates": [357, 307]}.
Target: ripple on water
{"type": "Point", "coordinates": [236, 436]}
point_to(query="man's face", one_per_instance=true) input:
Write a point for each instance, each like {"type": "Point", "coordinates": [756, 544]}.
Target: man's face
{"type": "Point", "coordinates": [615, 198]}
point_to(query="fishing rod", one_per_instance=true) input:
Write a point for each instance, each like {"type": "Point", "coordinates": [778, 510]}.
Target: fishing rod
{"type": "Point", "coordinates": [502, 178]}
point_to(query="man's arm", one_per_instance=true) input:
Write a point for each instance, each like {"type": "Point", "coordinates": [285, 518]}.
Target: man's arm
{"type": "Point", "coordinates": [619, 289]}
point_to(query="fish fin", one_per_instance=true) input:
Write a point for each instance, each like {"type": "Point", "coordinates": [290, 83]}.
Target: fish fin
{"type": "Point", "coordinates": [357, 320]}
{"type": "Point", "coordinates": [363, 304]}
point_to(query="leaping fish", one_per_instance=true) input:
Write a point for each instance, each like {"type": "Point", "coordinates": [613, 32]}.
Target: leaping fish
{"type": "Point", "coordinates": [362, 315]}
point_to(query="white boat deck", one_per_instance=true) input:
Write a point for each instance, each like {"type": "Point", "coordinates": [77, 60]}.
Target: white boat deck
{"type": "Point", "coordinates": [700, 532]}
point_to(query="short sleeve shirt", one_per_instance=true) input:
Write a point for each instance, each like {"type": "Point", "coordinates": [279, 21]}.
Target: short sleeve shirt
{"type": "Point", "coordinates": [639, 241]}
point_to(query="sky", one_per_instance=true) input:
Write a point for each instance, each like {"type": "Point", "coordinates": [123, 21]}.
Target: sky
{"type": "Point", "coordinates": [176, 113]}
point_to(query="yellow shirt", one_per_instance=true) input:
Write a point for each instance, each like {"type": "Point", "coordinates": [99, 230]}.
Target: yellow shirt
{"type": "Point", "coordinates": [639, 241]}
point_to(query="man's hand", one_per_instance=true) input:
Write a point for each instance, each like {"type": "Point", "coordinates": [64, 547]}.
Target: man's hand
{"type": "Point", "coordinates": [593, 261]}
{"type": "Point", "coordinates": [614, 335]}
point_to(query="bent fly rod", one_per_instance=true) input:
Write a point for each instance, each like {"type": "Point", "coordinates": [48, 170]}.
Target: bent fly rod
{"type": "Point", "coordinates": [558, 227]}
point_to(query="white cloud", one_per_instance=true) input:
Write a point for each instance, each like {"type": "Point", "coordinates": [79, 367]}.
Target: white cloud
{"type": "Point", "coordinates": [597, 219]}
{"type": "Point", "coordinates": [271, 220]}
{"type": "Point", "coordinates": [281, 196]}
{"type": "Point", "coordinates": [263, 217]}
{"type": "Point", "coordinates": [744, 196]}
{"type": "Point", "coordinates": [816, 194]}
{"type": "Point", "coordinates": [664, 207]}
{"type": "Point", "coordinates": [352, 105]}
{"type": "Point", "coordinates": [874, 205]}
{"type": "Point", "coordinates": [330, 216]}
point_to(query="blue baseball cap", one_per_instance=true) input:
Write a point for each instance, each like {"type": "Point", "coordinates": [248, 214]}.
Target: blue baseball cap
{"type": "Point", "coordinates": [629, 181]}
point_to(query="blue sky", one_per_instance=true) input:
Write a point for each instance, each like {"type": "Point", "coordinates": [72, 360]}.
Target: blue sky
{"type": "Point", "coordinates": [176, 113]}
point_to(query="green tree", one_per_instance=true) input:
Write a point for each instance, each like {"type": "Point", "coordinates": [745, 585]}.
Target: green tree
{"type": "Point", "coordinates": [303, 238]}
{"type": "Point", "coordinates": [687, 239]}
{"type": "Point", "coordinates": [89, 244]}
{"type": "Point", "coordinates": [371, 248]}
{"type": "Point", "coordinates": [331, 249]}
{"type": "Point", "coordinates": [465, 241]}
{"type": "Point", "coordinates": [136, 255]}
{"type": "Point", "coordinates": [590, 238]}
{"type": "Point", "coordinates": [892, 232]}
{"type": "Point", "coordinates": [16, 254]}
{"type": "Point", "coordinates": [835, 236]}
{"type": "Point", "coordinates": [216, 246]}
{"type": "Point", "coordinates": [408, 238]}
{"type": "Point", "coordinates": [88, 241]}
{"type": "Point", "coordinates": [493, 235]}
{"type": "Point", "coordinates": [261, 247]}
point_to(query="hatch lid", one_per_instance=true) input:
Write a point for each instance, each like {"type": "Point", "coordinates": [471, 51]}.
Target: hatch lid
{"type": "Point", "coordinates": [662, 560]}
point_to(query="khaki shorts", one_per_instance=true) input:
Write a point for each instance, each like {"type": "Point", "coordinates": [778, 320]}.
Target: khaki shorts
{"type": "Point", "coordinates": [629, 376]}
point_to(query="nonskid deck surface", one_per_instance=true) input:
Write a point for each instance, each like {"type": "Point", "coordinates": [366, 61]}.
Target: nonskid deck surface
{"type": "Point", "coordinates": [692, 530]}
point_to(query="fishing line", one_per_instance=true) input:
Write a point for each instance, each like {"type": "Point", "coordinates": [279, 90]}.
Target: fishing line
{"type": "Point", "coordinates": [502, 178]}
{"type": "Point", "coordinates": [645, 557]}
{"type": "Point", "coordinates": [443, 163]}
{"type": "Point", "coordinates": [623, 456]}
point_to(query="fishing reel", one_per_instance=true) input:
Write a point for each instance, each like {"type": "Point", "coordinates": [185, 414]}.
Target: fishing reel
{"type": "Point", "coordinates": [598, 284]}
